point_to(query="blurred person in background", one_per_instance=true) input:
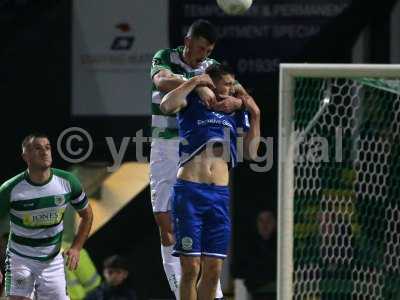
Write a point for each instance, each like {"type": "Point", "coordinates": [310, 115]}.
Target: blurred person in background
{"type": "Point", "coordinates": [117, 285]}
{"type": "Point", "coordinates": [260, 258]}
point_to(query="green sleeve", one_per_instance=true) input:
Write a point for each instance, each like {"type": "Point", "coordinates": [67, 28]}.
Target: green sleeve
{"type": "Point", "coordinates": [161, 60]}
{"type": "Point", "coordinates": [77, 195]}
{"type": "Point", "coordinates": [79, 199]}
{"type": "Point", "coordinates": [76, 187]}
{"type": "Point", "coordinates": [4, 200]}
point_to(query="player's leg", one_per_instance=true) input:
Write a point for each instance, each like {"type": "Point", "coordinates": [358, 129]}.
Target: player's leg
{"type": "Point", "coordinates": [164, 222]}
{"type": "Point", "coordinates": [187, 209]}
{"type": "Point", "coordinates": [51, 281]}
{"type": "Point", "coordinates": [215, 237]}
{"type": "Point", "coordinates": [211, 268]}
{"type": "Point", "coordinates": [190, 272]}
{"type": "Point", "coordinates": [171, 263]}
{"type": "Point", "coordinates": [163, 168]}
{"type": "Point", "coordinates": [19, 279]}
{"type": "Point", "coordinates": [219, 294]}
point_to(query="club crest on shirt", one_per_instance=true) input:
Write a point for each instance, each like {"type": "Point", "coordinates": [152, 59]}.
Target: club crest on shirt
{"type": "Point", "coordinates": [21, 282]}
{"type": "Point", "coordinates": [187, 243]}
{"type": "Point", "coordinates": [59, 200]}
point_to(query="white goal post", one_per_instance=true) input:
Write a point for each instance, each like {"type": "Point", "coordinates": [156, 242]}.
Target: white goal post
{"type": "Point", "coordinates": [288, 137]}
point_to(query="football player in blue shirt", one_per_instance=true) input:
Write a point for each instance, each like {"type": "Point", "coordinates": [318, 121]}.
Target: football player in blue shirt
{"type": "Point", "coordinates": [208, 149]}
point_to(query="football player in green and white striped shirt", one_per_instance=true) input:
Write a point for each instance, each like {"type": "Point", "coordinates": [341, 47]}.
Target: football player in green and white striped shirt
{"type": "Point", "coordinates": [36, 201]}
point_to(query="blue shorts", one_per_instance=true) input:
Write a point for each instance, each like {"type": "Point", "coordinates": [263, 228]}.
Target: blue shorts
{"type": "Point", "coordinates": [201, 219]}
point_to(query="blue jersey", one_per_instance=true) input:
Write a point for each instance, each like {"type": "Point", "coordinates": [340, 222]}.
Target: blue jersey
{"type": "Point", "coordinates": [199, 126]}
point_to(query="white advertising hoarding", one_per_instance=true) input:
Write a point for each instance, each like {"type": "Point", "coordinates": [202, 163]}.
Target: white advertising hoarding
{"type": "Point", "coordinates": [113, 43]}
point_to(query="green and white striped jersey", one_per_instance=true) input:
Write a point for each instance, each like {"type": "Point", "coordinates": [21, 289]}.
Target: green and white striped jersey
{"type": "Point", "coordinates": [165, 126]}
{"type": "Point", "coordinates": [37, 212]}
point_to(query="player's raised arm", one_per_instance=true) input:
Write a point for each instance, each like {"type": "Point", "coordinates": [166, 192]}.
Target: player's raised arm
{"type": "Point", "coordinates": [166, 81]}
{"type": "Point", "coordinates": [252, 137]}
{"type": "Point", "coordinates": [175, 100]}
{"type": "Point", "coordinates": [161, 73]}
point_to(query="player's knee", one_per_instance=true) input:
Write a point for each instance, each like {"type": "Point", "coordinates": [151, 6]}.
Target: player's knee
{"type": "Point", "coordinates": [190, 269]}
{"type": "Point", "coordinates": [211, 277]}
{"type": "Point", "coordinates": [189, 275]}
{"type": "Point", "coordinates": [163, 220]}
{"type": "Point", "coordinates": [212, 271]}
{"type": "Point", "coordinates": [167, 238]}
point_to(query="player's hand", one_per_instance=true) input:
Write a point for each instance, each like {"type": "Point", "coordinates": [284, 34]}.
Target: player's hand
{"type": "Point", "coordinates": [206, 95]}
{"type": "Point", "coordinates": [72, 257]}
{"type": "Point", "coordinates": [228, 104]}
{"type": "Point", "coordinates": [251, 105]}
{"type": "Point", "coordinates": [1, 278]}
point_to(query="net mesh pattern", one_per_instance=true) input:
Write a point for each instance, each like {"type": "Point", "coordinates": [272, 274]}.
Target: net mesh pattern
{"type": "Point", "coordinates": [347, 189]}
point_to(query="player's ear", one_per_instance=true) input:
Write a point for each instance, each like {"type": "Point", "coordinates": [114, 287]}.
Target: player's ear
{"type": "Point", "coordinates": [24, 156]}
{"type": "Point", "coordinates": [186, 41]}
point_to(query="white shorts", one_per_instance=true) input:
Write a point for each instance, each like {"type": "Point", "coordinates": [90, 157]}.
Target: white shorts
{"type": "Point", "coordinates": [164, 159]}
{"type": "Point", "coordinates": [28, 278]}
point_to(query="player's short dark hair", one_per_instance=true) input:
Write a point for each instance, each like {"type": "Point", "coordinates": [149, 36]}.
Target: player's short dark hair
{"type": "Point", "coordinates": [203, 28]}
{"type": "Point", "coordinates": [29, 138]}
{"type": "Point", "coordinates": [116, 262]}
{"type": "Point", "coordinates": [216, 71]}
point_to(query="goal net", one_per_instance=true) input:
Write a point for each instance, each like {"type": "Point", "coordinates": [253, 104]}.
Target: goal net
{"type": "Point", "coordinates": [339, 182]}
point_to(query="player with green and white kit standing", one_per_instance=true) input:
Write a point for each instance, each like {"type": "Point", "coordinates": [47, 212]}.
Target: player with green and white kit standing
{"type": "Point", "coordinates": [36, 200]}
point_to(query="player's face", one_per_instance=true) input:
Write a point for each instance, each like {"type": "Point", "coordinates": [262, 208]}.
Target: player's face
{"type": "Point", "coordinates": [197, 50]}
{"type": "Point", "coordinates": [266, 224]}
{"type": "Point", "coordinates": [225, 85]}
{"type": "Point", "coordinates": [38, 154]}
{"type": "Point", "coordinates": [115, 277]}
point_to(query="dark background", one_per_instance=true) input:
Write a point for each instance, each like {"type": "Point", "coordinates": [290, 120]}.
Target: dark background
{"type": "Point", "coordinates": [35, 92]}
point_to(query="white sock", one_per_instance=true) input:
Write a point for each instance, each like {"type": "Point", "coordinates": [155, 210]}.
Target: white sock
{"type": "Point", "coordinates": [172, 268]}
{"type": "Point", "coordinates": [218, 293]}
